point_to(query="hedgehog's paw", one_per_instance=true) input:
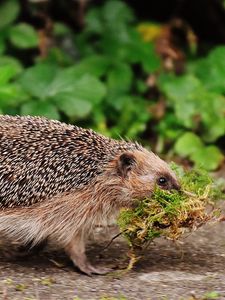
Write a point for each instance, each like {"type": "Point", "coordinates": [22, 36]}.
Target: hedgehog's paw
{"type": "Point", "coordinates": [76, 251]}
{"type": "Point", "coordinates": [89, 270]}
{"type": "Point", "coordinates": [100, 270]}
{"type": "Point", "coordinates": [85, 268]}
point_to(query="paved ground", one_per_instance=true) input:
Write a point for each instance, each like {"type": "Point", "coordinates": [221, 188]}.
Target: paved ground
{"type": "Point", "coordinates": [167, 271]}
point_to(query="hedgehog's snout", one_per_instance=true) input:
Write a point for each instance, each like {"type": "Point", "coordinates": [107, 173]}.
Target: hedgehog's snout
{"type": "Point", "coordinates": [176, 186]}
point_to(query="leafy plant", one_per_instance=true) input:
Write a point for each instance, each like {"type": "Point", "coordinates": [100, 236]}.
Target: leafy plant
{"type": "Point", "coordinates": [190, 145]}
{"type": "Point", "coordinates": [199, 105]}
{"type": "Point", "coordinates": [98, 90]}
{"type": "Point", "coordinates": [96, 77]}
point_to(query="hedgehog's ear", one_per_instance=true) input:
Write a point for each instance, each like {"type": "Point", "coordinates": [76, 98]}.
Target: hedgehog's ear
{"type": "Point", "coordinates": [125, 163]}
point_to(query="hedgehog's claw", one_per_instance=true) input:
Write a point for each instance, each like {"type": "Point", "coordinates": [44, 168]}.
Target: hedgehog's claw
{"type": "Point", "coordinates": [100, 270]}
{"type": "Point", "coordinates": [76, 250]}
{"type": "Point", "coordinates": [88, 269]}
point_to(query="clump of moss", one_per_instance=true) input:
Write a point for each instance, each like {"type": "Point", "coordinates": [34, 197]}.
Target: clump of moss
{"type": "Point", "coordinates": [171, 213]}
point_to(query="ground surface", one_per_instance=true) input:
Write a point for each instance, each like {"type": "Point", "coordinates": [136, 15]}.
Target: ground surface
{"type": "Point", "coordinates": [167, 271]}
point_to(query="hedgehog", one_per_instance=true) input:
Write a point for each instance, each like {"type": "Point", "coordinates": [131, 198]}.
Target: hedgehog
{"type": "Point", "coordinates": [59, 181]}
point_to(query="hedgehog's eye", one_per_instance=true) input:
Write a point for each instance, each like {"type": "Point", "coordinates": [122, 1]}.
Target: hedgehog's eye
{"type": "Point", "coordinates": [162, 181]}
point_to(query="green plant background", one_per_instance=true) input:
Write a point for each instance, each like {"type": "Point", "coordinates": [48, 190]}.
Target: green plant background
{"type": "Point", "coordinates": [96, 77]}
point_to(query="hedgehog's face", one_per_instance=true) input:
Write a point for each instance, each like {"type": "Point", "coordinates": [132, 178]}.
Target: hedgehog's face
{"type": "Point", "coordinates": [142, 171]}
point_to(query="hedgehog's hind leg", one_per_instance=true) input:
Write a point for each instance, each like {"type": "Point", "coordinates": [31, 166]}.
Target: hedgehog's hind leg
{"type": "Point", "coordinates": [76, 251]}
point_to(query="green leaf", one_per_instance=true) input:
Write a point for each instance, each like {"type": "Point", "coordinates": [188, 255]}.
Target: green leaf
{"type": "Point", "coordinates": [139, 51]}
{"type": "Point", "coordinates": [115, 12]}
{"type": "Point", "coordinates": [73, 107]}
{"type": "Point", "coordinates": [211, 70]}
{"type": "Point", "coordinates": [213, 112]}
{"type": "Point", "coordinates": [93, 21]}
{"type": "Point", "coordinates": [88, 87]}
{"type": "Point", "coordinates": [169, 128]}
{"type": "Point", "coordinates": [179, 88]}
{"type": "Point", "coordinates": [60, 29]}
{"type": "Point", "coordinates": [7, 72]}
{"type": "Point", "coordinates": [120, 102]}
{"type": "Point", "coordinates": [12, 62]}
{"type": "Point", "coordinates": [111, 22]}
{"type": "Point", "coordinates": [40, 108]}
{"type": "Point", "coordinates": [132, 119]}
{"type": "Point", "coordinates": [63, 82]}
{"type": "Point", "coordinates": [23, 36]}
{"type": "Point", "coordinates": [208, 157]}
{"type": "Point", "coordinates": [37, 79]}
{"type": "Point", "coordinates": [187, 144]}
{"type": "Point", "coordinates": [186, 94]}
{"type": "Point", "coordinates": [141, 86]}
{"type": "Point", "coordinates": [11, 95]}
{"type": "Point", "coordinates": [58, 56]}
{"type": "Point", "coordinates": [145, 54]}
{"type": "Point", "coordinates": [191, 101]}
{"type": "Point", "coordinates": [116, 47]}
{"type": "Point", "coordinates": [9, 11]}
{"type": "Point", "coordinates": [119, 79]}
{"type": "Point", "coordinates": [95, 65]}
{"type": "Point", "coordinates": [214, 129]}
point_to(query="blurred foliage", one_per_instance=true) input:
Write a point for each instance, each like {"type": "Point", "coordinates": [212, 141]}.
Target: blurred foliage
{"type": "Point", "coordinates": [98, 77]}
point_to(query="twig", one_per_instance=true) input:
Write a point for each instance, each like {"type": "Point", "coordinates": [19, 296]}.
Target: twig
{"type": "Point", "coordinates": [116, 236]}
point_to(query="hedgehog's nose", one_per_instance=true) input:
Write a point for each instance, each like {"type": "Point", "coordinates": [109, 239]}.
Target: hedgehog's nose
{"type": "Point", "coordinates": [176, 186]}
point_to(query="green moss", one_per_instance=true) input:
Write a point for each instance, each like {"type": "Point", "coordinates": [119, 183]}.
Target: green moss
{"type": "Point", "coordinates": [171, 213]}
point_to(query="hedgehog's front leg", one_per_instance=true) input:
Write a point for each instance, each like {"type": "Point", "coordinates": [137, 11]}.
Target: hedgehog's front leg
{"type": "Point", "coordinates": [76, 251]}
